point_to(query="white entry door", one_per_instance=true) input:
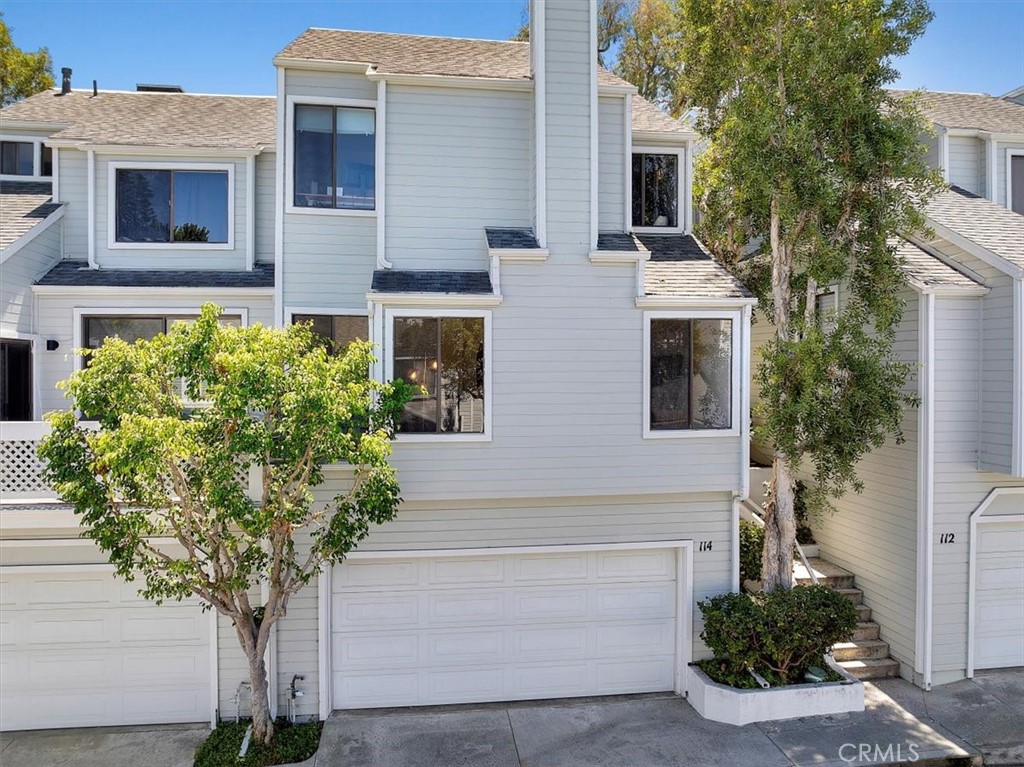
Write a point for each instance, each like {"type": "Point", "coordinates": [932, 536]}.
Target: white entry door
{"type": "Point", "coordinates": [425, 630]}
{"type": "Point", "coordinates": [999, 607]}
{"type": "Point", "coordinates": [79, 648]}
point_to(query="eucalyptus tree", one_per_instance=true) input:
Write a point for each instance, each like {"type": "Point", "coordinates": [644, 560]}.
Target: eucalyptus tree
{"type": "Point", "coordinates": [183, 420]}
{"type": "Point", "coordinates": [812, 169]}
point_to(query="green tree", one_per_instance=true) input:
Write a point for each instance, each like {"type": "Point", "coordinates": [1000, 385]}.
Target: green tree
{"type": "Point", "coordinates": [22, 73]}
{"type": "Point", "coordinates": [274, 401]}
{"type": "Point", "coordinates": [812, 161]}
{"type": "Point", "coordinates": [647, 56]}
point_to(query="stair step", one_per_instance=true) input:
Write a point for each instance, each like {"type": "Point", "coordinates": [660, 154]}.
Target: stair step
{"type": "Point", "coordinates": [864, 649]}
{"type": "Point", "coordinates": [854, 595]}
{"type": "Point", "coordinates": [866, 630]}
{"type": "Point", "coordinates": [827, 573]}
{"type": "Point", "coordinates": [871, 668]}
{"type": "Point", "coordinates": [863, 613]}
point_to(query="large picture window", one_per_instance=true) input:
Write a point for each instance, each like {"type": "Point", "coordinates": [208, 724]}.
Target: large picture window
{"type": "Point", "coordinates": [335, 157]}
{"type": "Point", "coordinates": [656, 191]}
{"type": "Point", "coordinates": [172, 206]}
{"type": "Point", "coordinates": [691, 374]}
{"type": "Point", "coordinates": [446, 357]}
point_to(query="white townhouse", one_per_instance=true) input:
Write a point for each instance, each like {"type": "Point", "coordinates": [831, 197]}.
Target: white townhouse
{"type": "Point", "coordinates": [510, 224]}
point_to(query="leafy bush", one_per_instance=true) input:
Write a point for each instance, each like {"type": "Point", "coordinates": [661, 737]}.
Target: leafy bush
{"type": "Point", "coordinates": [778, 634]}
{"type": "Point", "coordinates": [751, 547]}
{"type": "Point", "coordinates": [291, 743]}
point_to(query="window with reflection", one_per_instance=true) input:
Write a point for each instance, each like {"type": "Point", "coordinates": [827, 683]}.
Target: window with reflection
{"type": "Point", "coordinates": [335, 157]}
{"type": "Point", "coordinates": [656, 190]}
{"type": "Point", "coordinates": [445, 357]}
{"type": "Point", "coordinates": [336, 331]}
{"type": "Point", "coordinates": [180, 206]}
{"type": "Point", "coordinates": [17, 158]}
{"type": "Point", "coordinates": [691, 374]}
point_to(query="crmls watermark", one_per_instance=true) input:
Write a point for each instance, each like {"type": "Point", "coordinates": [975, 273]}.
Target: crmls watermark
{"type": "Point", "coordinates": [873, 753]}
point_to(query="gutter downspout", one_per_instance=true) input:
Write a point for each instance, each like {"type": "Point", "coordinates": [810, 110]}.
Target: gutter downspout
{"type": "Point", "coordinates": [250, 213]}
{"type": "Point", "coordinates": [925, 487]}
{"type": "Point", "coordinates": [90, 157]}
{"type": "Point", "coordinates": [381, 179]}
{"type": "Point", "coordinates": [279, 205]}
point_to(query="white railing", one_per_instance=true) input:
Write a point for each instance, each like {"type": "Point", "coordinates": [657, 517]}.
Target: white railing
{"type": "Point", "coordinates": [21, 470]}
{"type": "Point", "coordinates": [751, 513]}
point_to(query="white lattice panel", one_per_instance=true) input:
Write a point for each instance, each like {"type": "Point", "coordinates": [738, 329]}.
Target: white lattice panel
{"type": "Point", "coordinates": [21, 469]}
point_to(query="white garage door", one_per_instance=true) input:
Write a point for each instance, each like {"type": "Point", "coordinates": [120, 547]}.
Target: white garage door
{"type": "Point", "coordinates": [492, 627]}
{"type": "Point", "coordinates": [999, 632]}
{"type": "Point", "coordinates": [80, 649]}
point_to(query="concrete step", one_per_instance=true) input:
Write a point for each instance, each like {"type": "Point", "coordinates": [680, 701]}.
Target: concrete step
{"type": "Point", "coordinates": [880, 668]}
{"type": "Point", "coordinates": [866, 630]}
{"type": "Point", "coordinates": [827, 573]}
{"type": "Point", "coordinates": [863, 613]}
{"type": "Point", "coordinates": [864, 649]}
{"type": "Point", "coordinates": [854, 595]}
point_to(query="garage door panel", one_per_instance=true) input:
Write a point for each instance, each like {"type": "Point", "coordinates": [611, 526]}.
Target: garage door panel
{"type": "Point", "coordinates": [162, 626]}
{"type": "Point", "coordinates": [75, 629]}
{"type": "Point", "coordinates": [999, 595]}
{"type": "Point", "coordinates": [504, 627]}
{"type": "Point", "coordinates": [93, 588]}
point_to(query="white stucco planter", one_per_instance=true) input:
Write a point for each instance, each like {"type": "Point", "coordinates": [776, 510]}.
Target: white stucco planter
{"type": "Point", "coordinates": [721, 703]}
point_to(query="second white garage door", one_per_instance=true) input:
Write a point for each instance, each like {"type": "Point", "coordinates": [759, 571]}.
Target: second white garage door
{"type": "Point", "coordinates": [492, 627]}
{"type": "Point", "coordinates": [999, 632]}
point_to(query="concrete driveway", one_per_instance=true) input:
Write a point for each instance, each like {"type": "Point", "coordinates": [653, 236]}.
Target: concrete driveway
{"type": "Point", "coordinates": [169, 745]}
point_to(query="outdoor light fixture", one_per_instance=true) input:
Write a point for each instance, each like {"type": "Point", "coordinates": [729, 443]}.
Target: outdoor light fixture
{"type": "Point", "coordinates": [52, 345]}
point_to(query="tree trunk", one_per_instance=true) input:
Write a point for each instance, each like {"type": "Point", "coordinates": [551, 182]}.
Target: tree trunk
{"type": "Point", "coordinates": [779, 529]}
{"type": "Point", "coordinates": [262, 724]}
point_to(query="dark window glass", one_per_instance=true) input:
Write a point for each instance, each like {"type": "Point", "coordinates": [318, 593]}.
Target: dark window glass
{"type": "Point", "coordinates": [335, 157]}
{"type": "Point", "coordinates": [691, 374]}
{"type": "Point", "coordinates": [656, 190]}
{"type": "Point", "coordinates": [1017, 183]}
{"type": "Point", "coordinates": [446, 357]}
{"type": "Point", "coordinates": [172, 206]}
{"type": "Point", "coordinates": [46, 157]}
{"type": "Point", "coordinates": [16, 158]}
{"type": "Point", "coordinates": [337, 330]}
{"type": "Point", "coordinates": [129, 329]}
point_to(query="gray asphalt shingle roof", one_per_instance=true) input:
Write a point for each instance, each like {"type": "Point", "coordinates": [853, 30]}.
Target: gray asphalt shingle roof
{"type": "Point", "coordinates": [519, 238]}
{"type": "Point", "coordinates": [78, 274]}
{"type": "Point", "coordinates": [971, 110]}
{"type": "Point", "coordinates": [981, 221]}
{"type": "Point", "coordinates": [23, 205]}
{"type": "Point", "coordinates": [925, 269]}
{"type": "Point", "coordinates": [153, 119]}
{"type": "Point", "coordinates": [423, 281]}
{"type": "Point", "coordinates": [680, 267]}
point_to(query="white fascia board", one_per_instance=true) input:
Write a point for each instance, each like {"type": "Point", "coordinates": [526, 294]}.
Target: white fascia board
{"type": "Point", "coordinates": [152, 150]}
{"type": "Point", "coordinates": [112, 290]}
{"type": "Point", "coordinates": [653, 138]}
{"type": "Point", "coordinates": [32, 233]}
{"type": "Point", "coordinates": [671, 302]}
{"type": "Point", "coordinates": [985, 134]}
{"type": "Point", "coordinates": [434, 299]}
{"type": "Point", "coordinates": [519, 254]}
{"type": "Point", "coordinates": [323, 65]}
{"type": "Point", "coordinates": [960, 291]}
{"type": "Point", "coordinates": [619, 256]}
{"type": "Point", "coordinates": [16, 125]}
{"type": "Point", "coordinates": [616, 89]}
{"type": "Point", "coordinates": [451, 81]}
{"type": "Point", "coordinates": [986, 255]}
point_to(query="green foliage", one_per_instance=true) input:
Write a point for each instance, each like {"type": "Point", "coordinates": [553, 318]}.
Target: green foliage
{"type": "Point", "coordinates": [22, 73]}
{"type": "Point", "coordinates": [778, 634]}
{"type": "Point", "coordinates": [292, 743]}
{"type": "Point", "coordinates": [751, 545]}
{"type": "Point", "coordinates": [274, 402]}
{"type": "Point", "coordinates": [191, 233]}
{"type": "Point", "coordinates": [647, 57]}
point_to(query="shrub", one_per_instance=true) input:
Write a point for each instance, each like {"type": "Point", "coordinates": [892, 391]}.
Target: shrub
{"type": "Point", "coordinates": [291, 743]}
{"type": "Point", "coordinates": [778, 634]}
{"type": "Point", "coordinates": [751, 547]}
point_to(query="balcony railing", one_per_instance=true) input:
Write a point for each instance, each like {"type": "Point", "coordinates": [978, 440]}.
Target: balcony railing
{"type": "Point", "coordinates": [21, 470]}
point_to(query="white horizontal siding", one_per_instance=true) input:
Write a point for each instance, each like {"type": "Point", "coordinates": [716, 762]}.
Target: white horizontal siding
{"type": "Point", "coordinates": [73, 191]}
{"type": "Point", "coordinates": [611, 190]}
{"type": "Point", "coordinates": [331, 85]}
{"type": "Point", "coordinates": [266, 169]}
{"type": "Point", "coordinates": [56, 322]}
{"type": "Point", "coordinates": [20, 271]}
{"type": "Point", "coordinates": [175, 256]}
{"type": "Point", "coordinates": [457, 160]}
{"type": "Point", "coordinates": [328, 260]}
{"type": "Point", "coordinates": [964, 169]}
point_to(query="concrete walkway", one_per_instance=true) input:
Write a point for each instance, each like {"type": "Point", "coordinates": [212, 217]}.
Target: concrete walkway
{"type": "Point", "coordinates": [974, 722]}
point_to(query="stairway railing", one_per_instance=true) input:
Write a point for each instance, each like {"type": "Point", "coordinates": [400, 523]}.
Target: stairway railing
{"type": "Point", "coordinates": [750, 512]}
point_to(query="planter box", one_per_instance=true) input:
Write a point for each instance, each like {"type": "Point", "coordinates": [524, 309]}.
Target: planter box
{"type": "Point", "coordinates": [721, 703]}
{"type": "Point", "coordinates": [810, 550]}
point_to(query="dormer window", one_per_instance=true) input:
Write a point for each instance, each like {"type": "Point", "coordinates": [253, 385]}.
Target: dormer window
{"type": "Point", "coordinates": [657, 190]}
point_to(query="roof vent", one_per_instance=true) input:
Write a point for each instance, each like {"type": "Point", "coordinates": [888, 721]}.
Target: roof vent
{"type": "Point", "coordinates": [156, 88]}
{"type": "Point", "coordinates": [65, 86]}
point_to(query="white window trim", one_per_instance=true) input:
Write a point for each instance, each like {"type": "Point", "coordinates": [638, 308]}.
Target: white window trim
{"type": "Point", "coordinates": [114, 166]}
{"type": "Point", "coordinates": [738, 384]}
{"type": "Point", "coordinates": [1010, 154]}
{"type": "Point", "coordinates": [682, 206]}
{"type": "Point", "coordinates": [37, 157]}
{"type": "Point", "coordinates": [289, 155]}
{"type": "Point", "coordinates": [387, 348]}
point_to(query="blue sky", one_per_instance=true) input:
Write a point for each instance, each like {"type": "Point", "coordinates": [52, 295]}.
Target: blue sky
{"type": "Point", "coordinates": [211, 46]}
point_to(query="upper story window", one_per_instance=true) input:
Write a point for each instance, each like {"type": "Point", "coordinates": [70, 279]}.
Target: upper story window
{"type": "Point", "coordinates": [19, 158]}
{"type": "Point", "coordinates": [335, 157]}
{"type": "Point", "coordinates": [447, 357]}
{"type": "Point", "coordinates": [657, 190]}
{"type": "Point", "coordinates": [1015, 181]}
{"type": "Point", "coordinates": [691, 373]}
{"type": "Point", "coordinates": [336, 331]}
{"type": "Point", "coordinates": [157, 205]}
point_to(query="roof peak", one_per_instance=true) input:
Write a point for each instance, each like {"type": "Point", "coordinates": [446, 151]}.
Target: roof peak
{"type": "Point", "coordinates": [425, 37]}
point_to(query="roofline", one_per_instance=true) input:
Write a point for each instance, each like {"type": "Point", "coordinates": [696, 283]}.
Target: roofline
{"type": "Point", "coordinates": [683, 136]}
{"type": "Point", "coordinates": [34, 124]}
{"type": "Point", "coordinates": [324, 65]}
{"type": "Point", "coordinates": [949, 93]}
{"type": "Point", "coordinates": [148, 149]}
{"type": "Point", "coordinates": [992, 259]}
{"type": "Point", "coordinates": [120, 290]}
{"type": "Point", "coordinates": [36, 230]}
{"type": "Point", "coordinates": [89, 91]}
{"type": "Point", "coordinates": [407, 34]}
{"type": "Point", "coordinates": [1018, 91]}
{"type": "Point", "coordinates": [981, 133]}
{"type": "Point", "coordinates": [454, 81]}
{"type": "Point", "coordinates": [969, 291]}
{"type": "Point", "coordinates": [667, 302]}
